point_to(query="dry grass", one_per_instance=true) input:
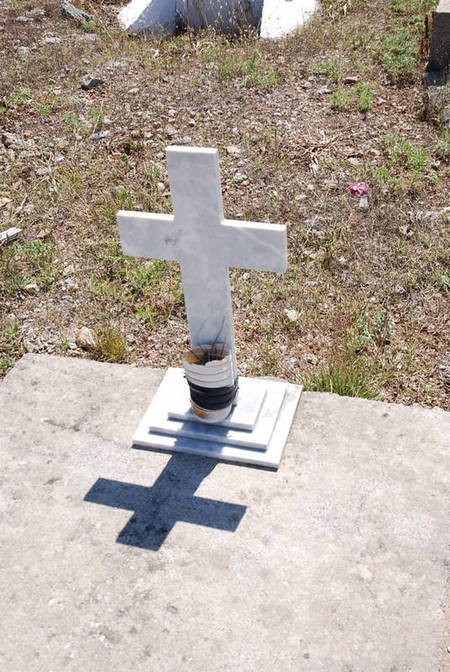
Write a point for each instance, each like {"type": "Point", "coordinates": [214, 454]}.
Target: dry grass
{"type": "Point", "coordinates": [369, 287]}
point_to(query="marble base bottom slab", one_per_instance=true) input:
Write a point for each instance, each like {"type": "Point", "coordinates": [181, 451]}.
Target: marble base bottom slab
{"type": "Point", "coordinates": [255, 432]}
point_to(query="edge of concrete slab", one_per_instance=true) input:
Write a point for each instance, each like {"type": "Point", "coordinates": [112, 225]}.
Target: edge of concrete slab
{"type": "Point", "coordinates": [341, 555]}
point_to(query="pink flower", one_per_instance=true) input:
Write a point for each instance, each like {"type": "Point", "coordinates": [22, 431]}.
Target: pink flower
{"type": "Point", "coordinates": [359, 188]}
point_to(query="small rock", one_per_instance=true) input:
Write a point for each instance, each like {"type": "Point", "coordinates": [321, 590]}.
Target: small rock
{"type": "Point", "coordinates": [100, 135]}
{"type": "Point", "coordinates": [31, 288]}
{"type": "Point", "coordinates": [350, 80]}
{"type": "Point", "coordinates": [134, 90]}
{"type": "Point", "coordinates": [291, 314]}
{"type": "Point", "coordinates": [311, 359]}
{"type": "Point", "coordinates": [324, 90]}
{"type": "Point", "coordinates": [42, 171]}
{"type": "Point", "coordinates": [51, 39]}
{"type": "Point", "coordinates": [112, 65]}
{"type": "Point", "coordinates": [353, 161]}
{"type": "Point", "coordinates": [10, 234]}
{"type": "Point", "coordinates": [161, 186]}
{"type": "Point", "coordinates": [24, 19]}
{"type": "Point", "coordinates": [405, 230]}
{"type": "Point", "coordinates": [233, 150]}
{"type": "Point", "coordinates": [23, 51]}
{"type": "Point", "coordinates": [4, 201]}
{"type": "Point", "coordinates": [89, 37]}
{"type": "Point", "coordinates": [400, 290]}
{"type": "Point", "coordinates": [85, 339]}
{"type": "Point", "coordinates": [240, 177]}
{"type": "Point", "coordinates": [72, 12]}
{"type": "Point", "coordinates": [71, 285]}
{"type": "Point", "coordinates": [170, 131]}
{"type": "Point", "coordinates": [37, 13]}
{"type": "Point", "coordinates": [363, 203]}
{"type": "Point", "coordinates": [88, 83]}
{"type": "Point", "coordinates": [12, 141]}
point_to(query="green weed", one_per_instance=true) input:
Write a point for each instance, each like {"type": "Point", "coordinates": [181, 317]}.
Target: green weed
{"type": "Point", "coordinates": [73, 121]}
{"type": "Point", "coordinates": [6, 362]}
{"type": "Point", "coordinates": [405, 164]}
{"type": "Point", "coordinates": [402, 153]}
{"type": "Point", "coordinates": [365, 95]}
{"type": "Point", "coordinates": [18, 98]}
{"type": "Point", "coordinates": [331, 69]}
{"type": "Point", "coordinates": [399, 51]}
{"type": "Point", "coordinates": [414, 7]}
{"type": "Point", "coordinates": [347, 378]}
{"type": "Point", "coordinates": [11, 342]}
{"type": "Point", "coordinates": [96, 118]}
{"type": "Point", "coordinates": [139, 275]}
{"type": "Point", "coordinates": [89, 26]}
{"type": "Point", "coordinates": [373, 326]}
{"type": "Point", "coordinates": [251, 69]}
{"type": "Point", "coordinates": [340, 100]}
{"type": "Point", "coordinates": [442, 280]}
{"type": "Point", "coordinates": [39, 259]}
{"type": "Point", "coordinates": [146, 315]}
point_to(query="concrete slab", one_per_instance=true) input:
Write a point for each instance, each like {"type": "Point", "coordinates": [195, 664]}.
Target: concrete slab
{"type": "Point", "coordinates": [118, 559]}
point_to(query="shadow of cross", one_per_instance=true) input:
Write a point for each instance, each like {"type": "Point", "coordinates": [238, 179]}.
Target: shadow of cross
{"type": "Point", "coordinates": [170, 500]}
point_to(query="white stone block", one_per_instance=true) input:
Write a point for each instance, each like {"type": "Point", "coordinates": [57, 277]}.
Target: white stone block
{"type": "Point", "coordinates": [155, 16]}
{"type": "Point", "coordinates": [280, 17]}
{"type": "Point", "coordinates": [165, 16]}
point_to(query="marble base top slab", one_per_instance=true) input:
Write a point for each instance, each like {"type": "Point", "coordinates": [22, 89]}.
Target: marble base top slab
{"type": "Point", "coordinates": [173, 394]}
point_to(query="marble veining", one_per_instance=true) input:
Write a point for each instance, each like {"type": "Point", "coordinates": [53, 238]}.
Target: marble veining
{"type": "Point", "coordinates": [206, 244]}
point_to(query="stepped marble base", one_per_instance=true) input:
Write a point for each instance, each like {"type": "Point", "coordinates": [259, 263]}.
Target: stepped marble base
{"type": "Point", "coordinates": [255, 432]}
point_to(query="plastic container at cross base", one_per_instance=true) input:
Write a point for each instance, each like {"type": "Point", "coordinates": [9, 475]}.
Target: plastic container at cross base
{"type": "Point", "coordinates": [212, 381]}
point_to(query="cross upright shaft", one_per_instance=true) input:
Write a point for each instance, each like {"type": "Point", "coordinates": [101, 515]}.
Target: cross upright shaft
{"type": "Point", "coordinates": [198, 211]}
{"type": "Point", "coordinates": [203, 242]}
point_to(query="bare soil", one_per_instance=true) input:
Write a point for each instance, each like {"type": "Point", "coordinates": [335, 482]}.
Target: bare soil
{"type": "Point", "coordinates": [367, 280]}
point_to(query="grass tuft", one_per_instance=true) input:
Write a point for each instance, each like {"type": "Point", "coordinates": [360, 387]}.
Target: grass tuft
{"type": "Point", "coordinates": [346, 378]}
{"type": "Point", "coordinates": [111, 344]}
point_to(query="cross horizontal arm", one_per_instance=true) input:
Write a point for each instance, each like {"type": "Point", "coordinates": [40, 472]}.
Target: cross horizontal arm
{"type": "Point", "coordinates": [147, 235]}
{"type": "Point", "coordinates": [119, 495]}
{"type": "Point", "coordinates": [213, 513]}
{"type": "Point", "coordinates": [259, 246]}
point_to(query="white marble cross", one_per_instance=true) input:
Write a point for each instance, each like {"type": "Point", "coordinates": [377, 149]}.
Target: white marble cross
{"type": "Point", "coordinates": [206, 244]}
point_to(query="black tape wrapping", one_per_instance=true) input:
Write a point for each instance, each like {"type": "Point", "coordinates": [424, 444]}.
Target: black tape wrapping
{"type": "Point", "coordinates": [213, 398]}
